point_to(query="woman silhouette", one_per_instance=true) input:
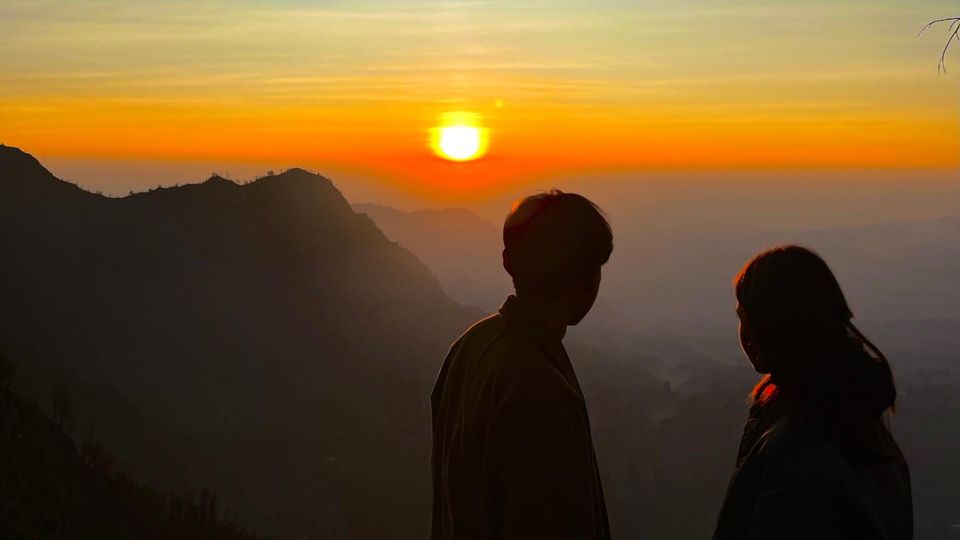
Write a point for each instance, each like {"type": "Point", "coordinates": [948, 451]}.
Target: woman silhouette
{"type": "Point", "coordinates": [815, 460]}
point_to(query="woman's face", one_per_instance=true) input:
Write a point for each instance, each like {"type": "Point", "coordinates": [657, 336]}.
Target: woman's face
{"type": "Point", "coordinates": [748, 344]}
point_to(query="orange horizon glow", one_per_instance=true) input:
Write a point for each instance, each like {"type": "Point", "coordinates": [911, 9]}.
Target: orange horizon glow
{"type": "Point", "coordinates": [552, 89]}
{"type": "Point", "coordinates": [522, 152]}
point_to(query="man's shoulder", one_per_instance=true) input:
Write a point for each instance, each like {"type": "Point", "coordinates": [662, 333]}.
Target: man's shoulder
{"type": "Point", "coordinates": [497, 351]}
{"type": "Point", "coordinates": [488, 327]}
{"type": "Point", "coordinates": [493, 337]}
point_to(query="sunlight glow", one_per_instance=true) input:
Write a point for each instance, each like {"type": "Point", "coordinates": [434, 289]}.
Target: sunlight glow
{"type": "Point", "coordinates": [460, 143]}
{"type": "Point", "coordinates": [459, 137]}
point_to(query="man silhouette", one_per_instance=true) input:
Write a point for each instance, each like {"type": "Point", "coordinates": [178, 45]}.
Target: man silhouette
{"type": "Point", "coordinates": [512, 452]}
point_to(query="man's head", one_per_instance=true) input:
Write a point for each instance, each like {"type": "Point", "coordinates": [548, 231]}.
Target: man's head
{"type": "Point", "coordinates": [554, 246]}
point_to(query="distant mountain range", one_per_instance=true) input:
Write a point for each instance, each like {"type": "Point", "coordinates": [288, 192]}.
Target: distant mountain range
{"type": "Point", "coordinates": [218, 335]}
{"type": "Point", "coordinates": [678, 282]}
{"type": "Point", "coordinates": [460, 247]}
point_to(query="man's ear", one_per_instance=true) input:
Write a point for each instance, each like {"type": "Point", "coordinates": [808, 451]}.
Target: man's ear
{"type": "Point", "coordinates": [506, 262]}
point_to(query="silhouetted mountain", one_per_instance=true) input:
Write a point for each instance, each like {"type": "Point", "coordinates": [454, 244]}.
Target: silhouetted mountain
{"type": "Point", "coordinates": [462, 249]}
{"type": "Point", "coordinates": [23, 178]}
{"type": "Point", "coordinates": [236, 320]}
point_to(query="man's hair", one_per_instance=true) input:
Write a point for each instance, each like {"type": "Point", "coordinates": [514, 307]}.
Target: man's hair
{"type": "Point", "coordinates": [552, 240]}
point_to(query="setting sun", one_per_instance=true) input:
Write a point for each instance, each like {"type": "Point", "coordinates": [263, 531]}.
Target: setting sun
{"type": "Point", "coordinates": [459, 137]}
{"type": "Point", "coordinates": [459, 143]}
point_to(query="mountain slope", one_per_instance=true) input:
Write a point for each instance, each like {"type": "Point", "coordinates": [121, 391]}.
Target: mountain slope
{"type": "Point", "coordinates": [463, 249]}
{"type": "Point", "coordinates": [237, 319]}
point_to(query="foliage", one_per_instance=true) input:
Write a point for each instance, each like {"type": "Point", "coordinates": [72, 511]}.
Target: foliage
{"type": "Point", "coordinates": [49, 489]}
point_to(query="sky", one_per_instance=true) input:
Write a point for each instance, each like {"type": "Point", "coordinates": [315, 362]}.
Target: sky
{"type": "Point", "coordinates": [355, 87]}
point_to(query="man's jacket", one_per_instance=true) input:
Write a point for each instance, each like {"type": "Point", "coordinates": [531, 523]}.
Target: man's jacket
{"type": "Point", "coordinates": [512, 451]}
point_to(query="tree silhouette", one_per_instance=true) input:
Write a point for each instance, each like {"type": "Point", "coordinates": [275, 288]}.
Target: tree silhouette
{"type": "Point", "coordinates": [954, 34]}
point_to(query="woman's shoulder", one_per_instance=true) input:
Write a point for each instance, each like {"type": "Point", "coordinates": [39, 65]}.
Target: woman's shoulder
{"type": "Point", "coordinates": [794, 445]}
{"type": "Point", "coordinates": [788, 453]}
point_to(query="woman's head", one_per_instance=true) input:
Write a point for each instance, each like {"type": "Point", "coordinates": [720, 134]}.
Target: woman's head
{"type": "Point", "coordinates": [788, 301]}
{"type": "Point", "coordinates": [795, 326]}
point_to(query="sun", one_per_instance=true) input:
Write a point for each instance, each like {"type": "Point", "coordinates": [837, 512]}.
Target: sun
{"type": "Point", "coordinates": [459, 143]}
{"type": "Point", "coordinates": [459, 137]}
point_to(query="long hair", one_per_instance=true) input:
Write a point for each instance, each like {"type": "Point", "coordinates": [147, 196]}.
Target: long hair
{"type": "Point", "coordinates": [801, 324]}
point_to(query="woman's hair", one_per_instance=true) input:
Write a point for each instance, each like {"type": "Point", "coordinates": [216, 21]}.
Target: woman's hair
{"type": "Point", "coordinates": [800, 324]}
{"type": "Point", "coordinates": [553, 239]}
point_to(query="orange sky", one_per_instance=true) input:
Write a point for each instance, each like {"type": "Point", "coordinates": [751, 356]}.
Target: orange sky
{"type": "Point", "coordinates": [562, 86]}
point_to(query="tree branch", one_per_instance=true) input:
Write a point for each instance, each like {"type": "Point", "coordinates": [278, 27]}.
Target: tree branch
{"type": "Point", "coordinates": [954, 34]}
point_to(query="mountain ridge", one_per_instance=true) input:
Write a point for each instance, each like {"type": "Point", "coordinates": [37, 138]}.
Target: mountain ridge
{"type": "Point", "coordinates": [236, 318]}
